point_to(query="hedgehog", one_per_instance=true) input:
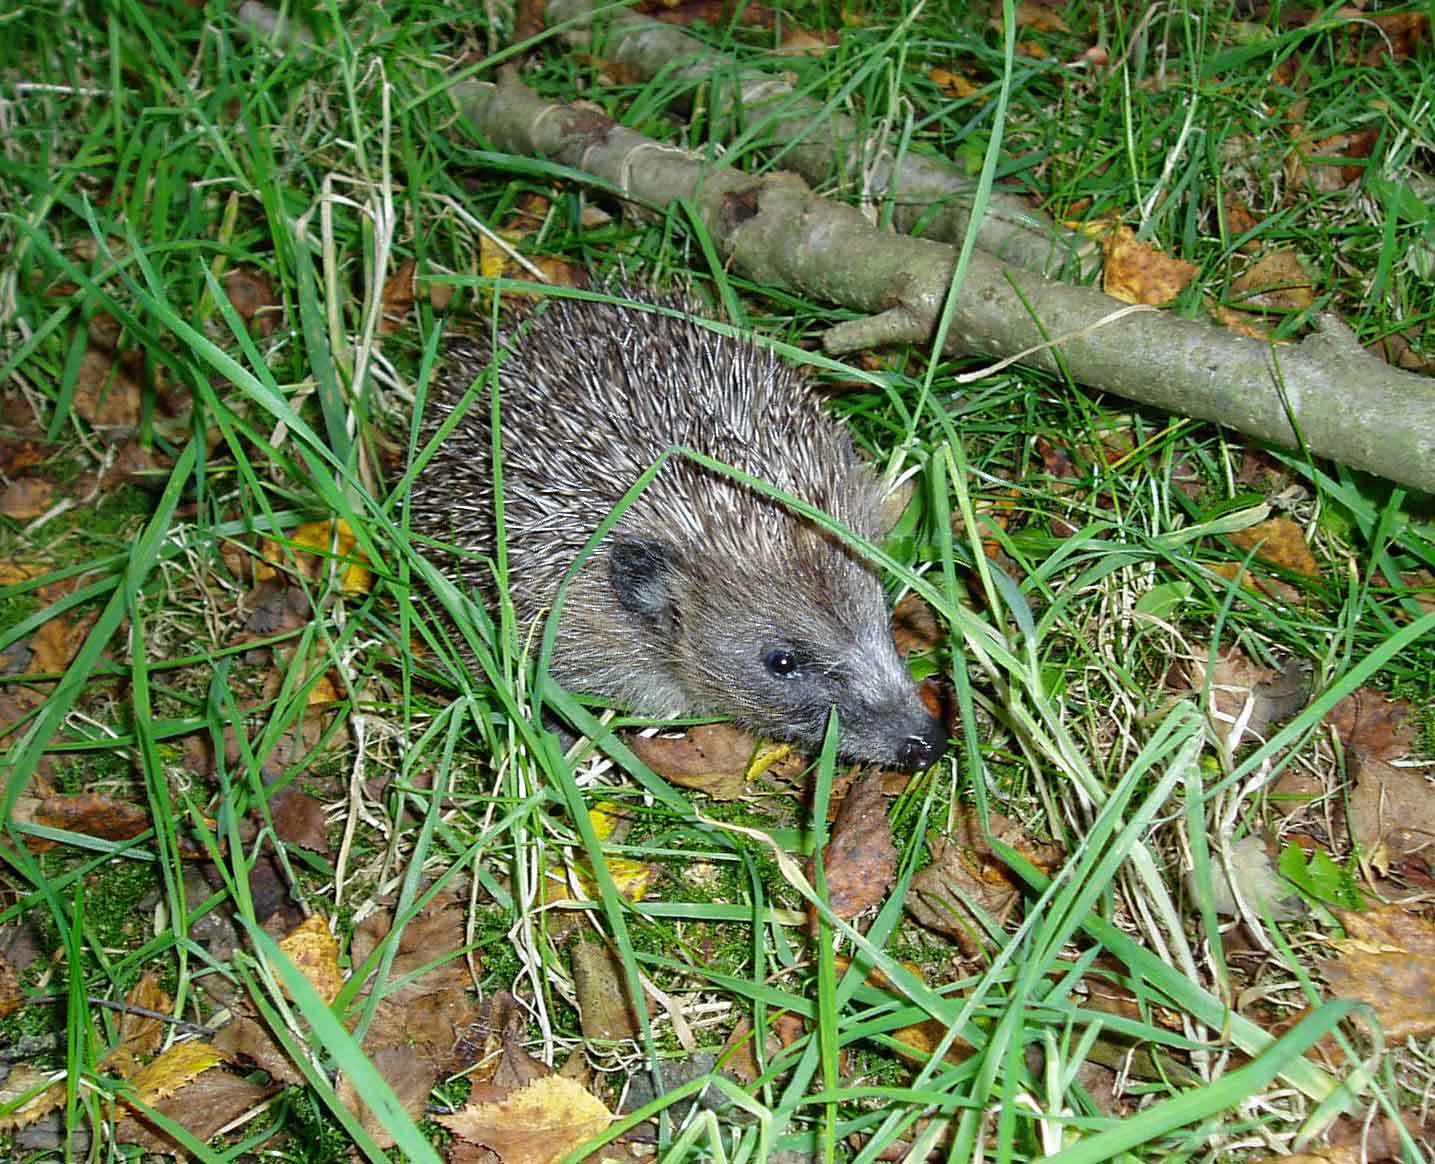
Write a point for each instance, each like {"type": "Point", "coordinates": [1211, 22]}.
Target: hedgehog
{"type": "Point", "coordinates": [708, 597]}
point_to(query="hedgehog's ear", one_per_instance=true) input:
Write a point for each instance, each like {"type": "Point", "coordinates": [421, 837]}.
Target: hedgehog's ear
{"type": "Point", "coordinates": [642, 570]}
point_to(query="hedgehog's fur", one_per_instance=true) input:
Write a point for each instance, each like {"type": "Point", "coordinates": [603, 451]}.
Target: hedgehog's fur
{"type": "Point", "coordinates": [707, 591]}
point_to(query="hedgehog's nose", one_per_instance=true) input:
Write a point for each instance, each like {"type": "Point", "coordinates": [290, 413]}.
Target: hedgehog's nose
{"type": "Point", "coordinates": [922, 750]}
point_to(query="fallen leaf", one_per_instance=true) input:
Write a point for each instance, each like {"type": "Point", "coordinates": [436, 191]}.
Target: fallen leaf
{"type": "Point", "coordinates": [315, 952]}
{"type": "Point", "coordinates": [244, 1038]}
{"type": "Point", "coordinates": [1137, 272]}
{"type": "Point", "coordinates": [140, 1034]}
{"type": "Point", "coordinates": [1277, 281]}
{"type": "Point", "coordinates": [800, 42]}
{"type": "Point", "coordinates": [1280, 542]}
{"type": "Point", "coordinates": [276, 606]}
{"type": "Point", "coordinates": [1032, 16]}
{"type": "Point", "coordinates": [48, 1090]}
{"type": "Point", "coordinates": [493, 1044]}
{"type": "Point", "coordinates": [397, 299]}
{"type": "Point", "coordinates": [12, 997]}
{"type": "Point", "coordinates": [953, 84]}
{"type": "Point", "coordinates": [1333, 162]}
{"type": "Point", "coordinates": [1391, 811]}
{"type": "Point", "coordinates": [1245, 698]}
{"type": "Point", "coordinates": [860, 860]}
{"type": "Point", "coordinates": [1273, 589]}
{"type": "Point", "coordinates": [18, 455]}
{"type": "Point", "coordinates": [106, 396]}
{"type": "Point", "coordinates": [536, 1124]}
{"type": "Point", "coordinates": [179, 1065]}
{"type": "Point", "coordinates": [1377, 1140]}
{"type": "Point", "coordinates": [915, 626]}
{"type": "Point", "coordinates": [1253, 874]}
{"type": "Point", "coordinates": [26, 498]}
{"type": "Point", "coordinates": [314, 549]}
{"type": "Point", "coordinates": [203, 1106]}
{"type": "Point", "coordinates": [1239, 219]}
{"type": "Point", "coordinates": [1387, 961]}
{"type": "Point", "coordinates": [605, 1008]}
{"type": "Point", "coordinates": [711, 758]}
{"type": "Point", "coordinates": [965, 869]}
{"type": "Point", "coordinates": [1369, 723]}
{"type": "Point", "coordinates": [429, 1012]}
{"type": "Point", "coordinates": [93, 815]}
{"type": "Point", "coordinates": [411, 1080]}
{"type": "Point", "coordinates": [299, 820]}
{"type": "Point", "coordinates": [58, 641]}
{"type": "Point", "coordinates": [252, 296]}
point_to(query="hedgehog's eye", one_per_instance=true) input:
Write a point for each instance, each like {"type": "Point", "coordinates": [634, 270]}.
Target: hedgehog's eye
{"type": "Point", "coordinates": [783, 663]}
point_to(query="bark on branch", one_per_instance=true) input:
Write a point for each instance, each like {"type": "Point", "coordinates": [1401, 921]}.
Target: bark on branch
{"type": "Point", "coordinates": [1348, 405]}
{"type": "Point", "coordinates": [928, 194]}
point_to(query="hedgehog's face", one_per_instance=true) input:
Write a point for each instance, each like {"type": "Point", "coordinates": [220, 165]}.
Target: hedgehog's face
{"type": "Point", "coordinates": [778, 643]}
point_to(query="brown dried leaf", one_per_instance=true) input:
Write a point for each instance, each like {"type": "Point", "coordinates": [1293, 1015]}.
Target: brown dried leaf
{"type": "Point", "coordinates": [718, 13]}
{"type": "Point", "coordinates": [536, 1124]}
{"type": "Point", "coordinates": [299, 820]}
{"type": "Point", "coordinates": [1035, 17]}
{"type": "Point", "coordinates": [93, 815]}
{"type": "Point", "coordinates": [965, 868]}
{"type": "Point", "coordinates": [26, 498]}
{"type": "Point", "coordinates": [1240, 688]}
{"type": "Point", "coordinates": [1388, 962]}
{"type": "Point", "coordinates": [428, 1012]}
{"type": "Point", "coordinates": [1237, 321]}
{"type": "Point", "coordinates": [1374, 1141]}
{"type": "Point", "coordinates": [12, 998]}
{"type": "Point", "coordinates": [245, 1038]}
{"type": "Point", "coordinates": [605, 1008]}
{"type": "Point", "coordinates": [18, 455]}
{"type": "Point", "coordinates": [494, 1041]}
{"type": "Point", "coordinates": [139, 1034]}
{"type": "Point", "coordinates": [254, 298]}
{"type": "Point", "coordinates": [1399, 35]}
{"type": "Point", "coordinates": [275, 607]}
{"type": "Point", "coordinates": [1274, 589]}
{"type": "Point", "coordinates": [58, 641]}
{"type": "Point", "coordinates": [411, 1079]}
{"type": "Point", "coordinates": [801, 42]}
{"type": "Point", "coordinates": [106, 395]}
{"type": "Point", "coordinates": [1398, 349]}
{"type": "Point", "coordinates": [953, 84]}
{"type": "Point", "coordinates": [1239, 218]}
{"type": "Point", "coordinates": [1277, 281]}
{"type": "Point", "coordinates": [397, 299]}
{"type": "Point", "coordinates": [1137, 272]}
{"type": "Point", "coordinates": [860, 860]}
{"type": "Point", "coordinates": [202, 1107]}
{"type": "Point", "coordinates": [711, 758]}
{"type": "Point", "coordinates": [1392, 811]}
{"type": "Point", "coordinates": [1281, 542]}
{"type": "Point", "coordinates": [1320, 163]}
{"type": "Point", "coordinates": [313, 949]}
{"type": "Point", "coordinates": [1376, 727]}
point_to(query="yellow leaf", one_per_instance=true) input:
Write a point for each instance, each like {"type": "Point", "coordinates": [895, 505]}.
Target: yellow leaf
{"type": "Point", "coordinates": [537, 1124]}
{"type": "Point", "coordinates": [312, 948]}
{"type": "Point", "coordinates": [172, 1070]}
{"type": "Point", "coordinates": [46, 1091]}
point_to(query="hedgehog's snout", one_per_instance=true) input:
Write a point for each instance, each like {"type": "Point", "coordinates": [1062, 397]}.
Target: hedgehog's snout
{"type": "Point", "coordinates": [922, 749]}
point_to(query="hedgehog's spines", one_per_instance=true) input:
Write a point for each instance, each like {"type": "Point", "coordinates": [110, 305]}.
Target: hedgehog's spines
{"type": "Point", "coordinates": [704, 580]}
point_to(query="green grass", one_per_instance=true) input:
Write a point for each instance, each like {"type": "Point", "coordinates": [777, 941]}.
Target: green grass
{"type": "Point", "coordinates": [149, 150]}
